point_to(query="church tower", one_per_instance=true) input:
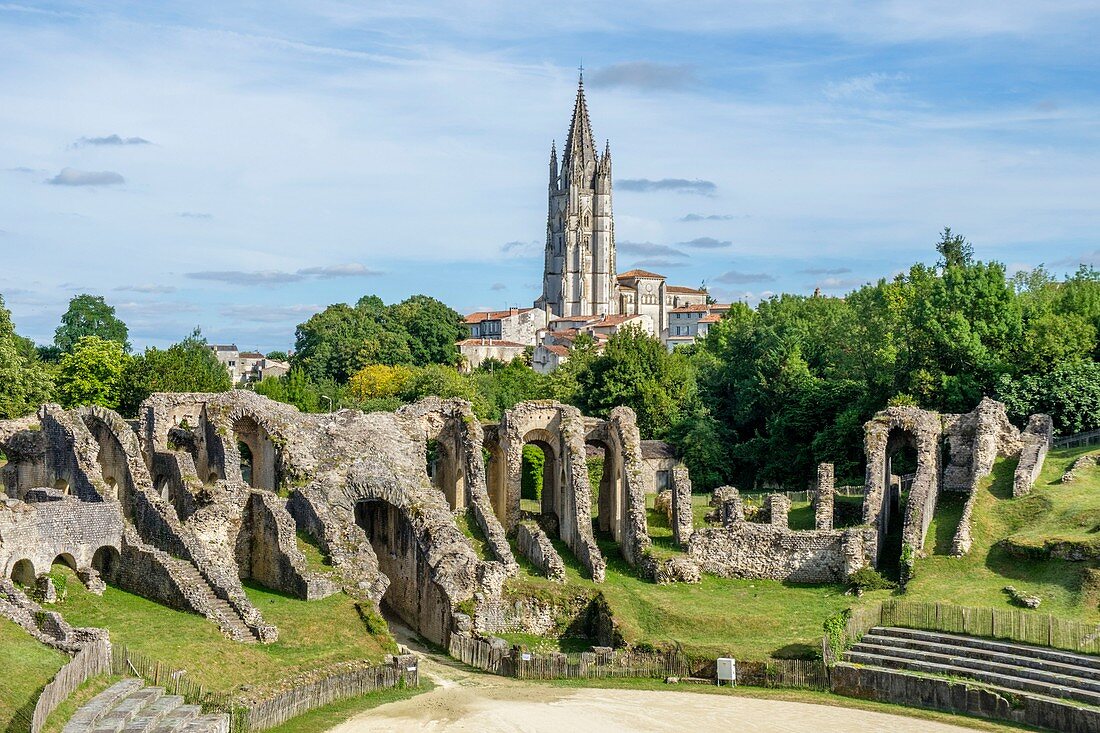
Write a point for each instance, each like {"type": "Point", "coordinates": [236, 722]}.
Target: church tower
{"type": "Point", "coordinates": [579, 274]}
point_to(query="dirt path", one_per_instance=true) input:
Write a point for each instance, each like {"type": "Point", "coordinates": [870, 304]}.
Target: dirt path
{"type": "Point", "coordinates": [471, 701]}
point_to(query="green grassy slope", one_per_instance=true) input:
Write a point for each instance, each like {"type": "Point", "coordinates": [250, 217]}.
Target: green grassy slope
{"type": "Point", "coordinates": [312, 634]}
{"type": "Point", "coordinates": [1003, 529]}
{"type": "Point", "coordinates": [27, 665]}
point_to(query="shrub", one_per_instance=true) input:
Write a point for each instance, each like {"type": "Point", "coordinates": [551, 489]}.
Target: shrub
{"type": "Point", "coordinates": [867, 578]}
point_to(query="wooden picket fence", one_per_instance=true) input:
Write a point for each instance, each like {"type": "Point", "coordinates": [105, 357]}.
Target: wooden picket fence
{"type": "Point", "coordinates": [1077, 440]}
{"type": "Point", "coordinates": [1014, 624]}
{"type": "Point", "coordinates": [588, 665]}
{"type": "Point", "coordinates": [175, 682]}
{"type": "Point", "coordinates": [294, 702]}
{"type": "Point", "coordinates": [479, 653]}
{"type": "Point", "coordinates": [1010, 624]}
{"type": "Point", "coordinates": [804, 674]}
{"type": "Point", "coordinates": [92, 659]}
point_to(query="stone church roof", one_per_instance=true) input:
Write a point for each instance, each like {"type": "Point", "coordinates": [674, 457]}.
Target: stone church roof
{"type": "Point", "coordinates": [579, 144]}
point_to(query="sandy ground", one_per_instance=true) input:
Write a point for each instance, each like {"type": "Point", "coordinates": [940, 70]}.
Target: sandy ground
{"type": "Point", "coordinates": [469, 701]}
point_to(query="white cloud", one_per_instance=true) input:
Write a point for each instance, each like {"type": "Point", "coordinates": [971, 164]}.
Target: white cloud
{"type": "Point", "coordinates": [73, 177]}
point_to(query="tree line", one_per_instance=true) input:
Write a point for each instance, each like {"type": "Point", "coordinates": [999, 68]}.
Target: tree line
{"type": "Point", "coordinates": [769, 393]}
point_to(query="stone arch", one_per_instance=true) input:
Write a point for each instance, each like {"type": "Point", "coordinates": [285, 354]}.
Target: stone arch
{"type": "Point", "coordinates": [61, 485]}
{"type": "Point", "coordinates": [162, 485]}
{"type": "Point", "coordinates": [22, 573]}
{"type": "Point", "coordinates": [263, 455]}
{"type": "Point", "coordinates": [447, 470]}
{"type": "Point", "coordinates": [884, 435]}
{"type": "Point", "coordinates": [65, 559]}
{"type": "Point", "coordinates": [120, 460]}
{"type": "Point", "coordinates": [108, 563]}
{"type": "Point", "coordinates": [610, 502]}
{"type": "Point", "coordinates": [496, 477]}
{"type": "Point", "coordinates": [553, 501]}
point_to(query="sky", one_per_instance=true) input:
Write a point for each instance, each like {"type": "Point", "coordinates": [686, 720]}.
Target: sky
{"type": "Point", "coordinates": [239, 166]}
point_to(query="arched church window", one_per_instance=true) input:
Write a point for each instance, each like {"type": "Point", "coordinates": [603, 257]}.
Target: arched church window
{"type": "Point", "coordinates": [587, 220]}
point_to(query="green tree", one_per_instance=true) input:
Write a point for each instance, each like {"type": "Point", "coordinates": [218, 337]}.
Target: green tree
{"type": "Point", "coordinates": [1069, 393]}
{"type": "Point", "coordinates": [432, 328]}
{"type": "Point", "coordinates": [278, 355]}
{"type": "Point", "coordinates": [954, 250]}
{"type": "Point", "coordinates": [25, 382]}
{"type": "Point", "coordinates": [636, 370]}
{"type": "Point", "coordinates": [89, 315]}
{"type": "Point", "coordinates": [91, 373]}
{"type": "Point", "coordinates": [187, 366]}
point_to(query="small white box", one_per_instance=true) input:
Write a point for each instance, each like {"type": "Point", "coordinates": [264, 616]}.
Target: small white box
{"type": "Point", "coordinates": [727, 670]}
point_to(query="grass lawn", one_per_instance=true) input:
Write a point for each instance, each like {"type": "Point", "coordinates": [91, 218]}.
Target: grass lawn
{"type": "Point", "coordinates": [312, 634]}
{"type": "Point", "coordinates": [749, 619]}
{"type": "Point", "coordinates": [329, 716]}
{"type": "Point", "coordinates": [28, 665]}
{"type": "Point", "coordinates": [1052, 510]}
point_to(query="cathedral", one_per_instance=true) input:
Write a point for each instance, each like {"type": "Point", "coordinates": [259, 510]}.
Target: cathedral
{"type": "Point", "coordinates": [582, 291]}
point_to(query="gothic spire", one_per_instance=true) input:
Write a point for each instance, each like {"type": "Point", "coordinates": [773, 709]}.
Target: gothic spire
{"type": "Point", "coordinates": [580, 146]}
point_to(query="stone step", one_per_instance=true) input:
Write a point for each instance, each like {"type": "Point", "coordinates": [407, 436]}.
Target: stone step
{"type": "Point", "coordinates": [177, 719]}
{"type": "Point", "coordinates": [1005, 647]}
{"type": "Point", "coordinates": [126, 709]}
{"type": "Point", "coordinates": [996, 679]}
{"type": "Point", "coordinates": [90, 712]}
{"type": "Point", "coordinates": [207, 724]}
{"type": "Point", "coordinates": [151, 716]}
{"type": "Point", "coordinates": [1089, 677]}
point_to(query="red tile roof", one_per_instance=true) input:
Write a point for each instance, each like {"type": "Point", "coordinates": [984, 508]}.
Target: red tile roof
{"type": "Point", "coordinates": [682, 289]}
{"type": "Point", "coordinates": [559, 350]}
{"type": "Point", "coordinates": [494, 315]}
{"type": "Point", "coordinates": [697, 308]}
{"type": "Point", "coordinates": [710, 318]}
{"type": "Point", "coordinates": [639, 273]}
{"type": "Point", "coordinates": [491, 342]}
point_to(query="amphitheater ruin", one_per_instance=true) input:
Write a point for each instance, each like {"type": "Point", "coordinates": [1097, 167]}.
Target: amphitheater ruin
{"type": "Point", "coordinates": [204, 490]}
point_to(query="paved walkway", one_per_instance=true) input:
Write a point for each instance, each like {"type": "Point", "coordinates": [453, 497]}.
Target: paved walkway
{"type": "Point", "coordinates": [471, 701]}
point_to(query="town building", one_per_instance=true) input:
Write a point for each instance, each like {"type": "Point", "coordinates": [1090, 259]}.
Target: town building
{"type": "Point", "coordinates": [247, 366]}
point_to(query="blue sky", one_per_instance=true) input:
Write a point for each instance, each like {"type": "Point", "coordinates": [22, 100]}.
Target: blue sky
{"type": "Point", "coordinates": [240, 166]}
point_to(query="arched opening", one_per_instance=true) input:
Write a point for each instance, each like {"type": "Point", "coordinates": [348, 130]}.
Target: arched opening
{"type": "Point", "coordinates": [260, 454]}
{"type": "Point", "coordinates": [61, 485]}
{"type": "Point", "coordinates": [22, 573]}
{"type": "Point", "coordinates": [160, 485]}
{"type": "Point", "coordinates": [246, 463]}
{"type": "Point", "coordinates": [107, 563]}
{"type": "Point", "coordinates": [213, 478]}
{"type": "Point", "coordinates": [900, 468]}
{"type": "Point", "coordinates": [67, 560]}
{"type": "Point", "coordinates": [446, 472]}
{"type": "Point", "coordinates": [411, 594]}
{"type": "Point", "coordinates": [496, 480]}
{"type": "Point", "coordinates": [541, 480]}
{"type": "Point", "coordinates": [605, 474]}
{"type": "Point", "coordinates": [112, 488]}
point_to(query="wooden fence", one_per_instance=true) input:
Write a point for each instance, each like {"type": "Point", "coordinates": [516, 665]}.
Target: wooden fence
{"type": "Point", "coordinates": [1010, 624]}
{"type": "Point", "coordinates": [92, 659]}
{"type": "Point", "coordinates": [1091, 437]}
{"type": "Point", "coordinates": [174, 682]}
{"type": "Point", "coordinates": [294, 702]}
{"type": "Point", "coordinates": [809, 674]}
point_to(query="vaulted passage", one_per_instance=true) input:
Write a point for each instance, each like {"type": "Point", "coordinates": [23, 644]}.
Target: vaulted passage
{"type": "Point", "coordinates": [412, 595]}
{"type": "Point", "coordinates": [107, 563]}
{"type": "Point", "coordinates": [22, 573]}
{"type": "Point", "coordinates": [257, 454]}
{"type": "Point", "coordinates": [900, 467]}
{"type": "Point", "coordinates": [447, 472]}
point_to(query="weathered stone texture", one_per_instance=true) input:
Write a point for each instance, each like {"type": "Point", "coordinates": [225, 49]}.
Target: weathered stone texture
{"type": "Point", "coordinates": [1037, 438]}
{"type": "Point", "coordinates": [750, 550]}
{"type": "Point", "coordinates": [824, 496]}
{"type": "Point", "coordinates": [535, 545]}
{"type": "Point", "coordinates": [683, 517]}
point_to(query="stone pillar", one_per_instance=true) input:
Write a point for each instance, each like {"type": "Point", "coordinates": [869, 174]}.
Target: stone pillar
{"type": "Point", "coordinates": [727, 503]}
{"type": "Point", "coordinates": [823, 497]}
{"type": "Point", "coordinates": [682, 520]}
{"type": "Point", "coordinates": [778, 507]}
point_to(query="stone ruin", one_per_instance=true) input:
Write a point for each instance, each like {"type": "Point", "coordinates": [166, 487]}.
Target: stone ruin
{"type": "Point", "coordinates": [954, 453]}
{"type": "Point", "coordinates": [203, 491]}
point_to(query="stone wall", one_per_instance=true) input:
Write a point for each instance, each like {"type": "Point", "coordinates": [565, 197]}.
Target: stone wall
{"type": "Point", "coordinates": [273, 555]}
{"type": "Point", "coordinates": [824, 496]}
{"type": "Point", "coordinates": [1037, 439]}
{"type": "Point", "coordinates": [960, 697]}
{"type": "Point", "coordinates": [534, 544]}
{"type": "Point", "coordinates": [42, 531]}
{"type": "Point", "coordinates": [749, 550]}
{"type": "Point", "coordinates": [682, 516]}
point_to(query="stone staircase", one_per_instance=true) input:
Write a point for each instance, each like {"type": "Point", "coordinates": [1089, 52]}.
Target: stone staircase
{"type": "Point", "coordinates": [1017, 668]}
{"type": "Point", "coordinates": [130, 707]}
{"type": "Point", "coordinates": [216, 609]}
